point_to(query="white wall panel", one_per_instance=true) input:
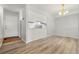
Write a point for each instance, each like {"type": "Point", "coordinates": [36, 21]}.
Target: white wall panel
{"type": "Point", "coordinates": [22, 18]}
{"type": "Point", "coordinates": [67, 25]}
{"type": "Point", "coordinates": [34, 14]}
{"type": "Point", "coordinates": [34, 34]}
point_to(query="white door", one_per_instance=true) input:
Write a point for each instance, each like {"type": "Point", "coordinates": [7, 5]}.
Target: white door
{"type": "Point", "coordinates": [11, 24]}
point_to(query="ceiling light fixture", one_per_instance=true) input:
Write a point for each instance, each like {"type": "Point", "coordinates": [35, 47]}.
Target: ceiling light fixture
{"type": "Point", "coordinates": [62, 10]}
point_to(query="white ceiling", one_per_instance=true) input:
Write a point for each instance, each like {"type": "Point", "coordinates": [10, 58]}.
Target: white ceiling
{"type": "Point", "coordinates": [53, 9]}
{"type": "Point", "coordinates": [13, 7]}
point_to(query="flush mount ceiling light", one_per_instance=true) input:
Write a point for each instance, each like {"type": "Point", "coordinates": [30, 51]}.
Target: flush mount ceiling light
{"type": "Point", "coordinates": [62, 10]}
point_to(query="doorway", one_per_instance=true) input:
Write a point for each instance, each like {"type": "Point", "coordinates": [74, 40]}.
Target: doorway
{"type": "Point", "coordinates": [11, 25]}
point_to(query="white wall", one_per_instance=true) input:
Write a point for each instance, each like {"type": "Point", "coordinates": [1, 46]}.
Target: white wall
{"type": "Point", "coordinates": [22, 18]}
{"type": "Point", "coordinates": [1, 26]}
{"type": "Point", "coordinates": [50, 25]}
{"type": "Point", "coordinates": [35, 14]}
{"type": "Point", "coordinates": [67, 25]}
{"type": "Point", "coordinates": [1, 22]}
{"type": "Point", "coordinates": [34, 34]}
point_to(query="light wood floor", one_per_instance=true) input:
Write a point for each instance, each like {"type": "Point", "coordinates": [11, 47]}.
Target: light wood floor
{"type": "Point", "coordinates": [50, 45]}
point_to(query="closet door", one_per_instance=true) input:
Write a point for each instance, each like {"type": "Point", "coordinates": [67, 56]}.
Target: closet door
{"type": "Point", "coordinates": [11, 24]}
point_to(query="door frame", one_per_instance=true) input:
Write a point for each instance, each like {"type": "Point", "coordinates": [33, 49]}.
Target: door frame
{"type": "Point", "coordinates": [4, 9]}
